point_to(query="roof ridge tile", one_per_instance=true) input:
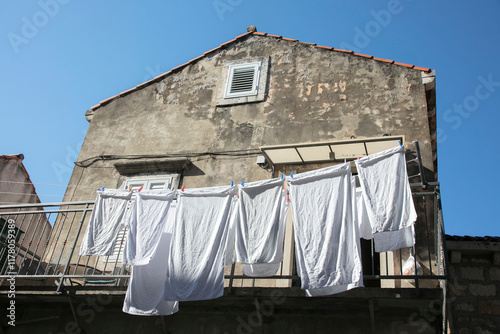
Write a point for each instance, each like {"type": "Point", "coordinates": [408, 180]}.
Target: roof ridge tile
{"type": "Point", "coordinates": [363, 55]}
{"type": "Point", "coordinates": [324, 47]}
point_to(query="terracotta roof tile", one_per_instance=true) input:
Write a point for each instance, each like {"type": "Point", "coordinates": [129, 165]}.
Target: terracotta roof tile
{"type": "Point", "coordinates": [324, 47]}
{"type": "Point", "coordinates": [425, 69]}
{"type": "Point", "coordinates": [242, 35]}
{"type": "Point", "coordinates": [160, 76]}
{"type": "Point", "coordinates": [140, 86]}
{"type": "Point", "coordinates": [217, 48]}
{"type": "Point", "coordinates": [228, 42]}
{"type": "Point", "coordinates": [405, 65]}
{"type": "Point", "coordinates": [108, 99]}
{"type": "Point", "coordinates": [362, 55]}
{"type": "Point", "coordinates": [127, 91]}
{"type": "Point", "coordinates": [180, 66]}
{"type": "Point", "coordinates": [384, 60]}
{"type": "Point", "coordinates": [342, 50]}
{"type": "Point", "coordinates": [195, 59]}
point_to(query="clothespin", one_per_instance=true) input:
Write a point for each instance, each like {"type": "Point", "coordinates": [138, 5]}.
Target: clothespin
{"type": "Point", "coordinates": [242, 183]}
{"type": "Point", "coordinates": [399, 141]}
{"type": "Point", "coordinates": [291, 174]}
{"type": "Point", "coordinates": [129, 188]}
{"type": "Point", "coordinates": [102, 189]}
{"type": "Point", "coordinates": [140, 188]}
{"type": "Point", "coordinates": [282, 176]}
{"type": "Point", "coordinates": [183, 187]}
{"type": "Point", "coordinates": [232, 183]}
{"type": "Point", "coordinates": [345, 160]}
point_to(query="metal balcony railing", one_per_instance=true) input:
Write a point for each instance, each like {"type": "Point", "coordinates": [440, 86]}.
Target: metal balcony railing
{"type": "Point", "coordinates": [44, 255]}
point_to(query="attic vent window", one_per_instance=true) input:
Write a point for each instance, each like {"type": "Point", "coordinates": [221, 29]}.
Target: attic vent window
{"type": "Point", "coordinates": [243, 80]}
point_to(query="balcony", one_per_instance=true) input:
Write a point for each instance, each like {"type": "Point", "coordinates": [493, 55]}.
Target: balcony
{"type": "Point", "coordinates": [50, 266]}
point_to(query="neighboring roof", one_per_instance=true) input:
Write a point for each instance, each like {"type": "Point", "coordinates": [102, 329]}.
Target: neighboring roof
{"type": "Point", "coordinates": [236, 39]}
{"type": "Point", "coordinates": [469, 238]}
{"type": "Point", "coordinates": [20, 158]}
{"type": "Point", "coordinates": [12, 157]}
{"type": "Point", "coordinates": [473, 245]}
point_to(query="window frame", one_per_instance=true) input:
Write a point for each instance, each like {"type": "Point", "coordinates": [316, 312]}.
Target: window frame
{"type": "Point", "coordinates": [148, 182]}
{"type": "Point", "coordinates": [259, 84]}
{"type": "Point", "coordinates": [255, 80]}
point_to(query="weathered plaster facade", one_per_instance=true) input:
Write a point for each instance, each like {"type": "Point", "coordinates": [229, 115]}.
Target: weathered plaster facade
{"type": "Point", "coordinates": [312, 94]}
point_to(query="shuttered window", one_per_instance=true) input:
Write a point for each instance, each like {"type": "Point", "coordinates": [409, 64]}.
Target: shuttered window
{"type": "Point", "coordinates": [243, 80]}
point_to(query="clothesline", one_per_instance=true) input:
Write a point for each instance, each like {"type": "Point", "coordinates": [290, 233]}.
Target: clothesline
{"type": "Point", "coordinates": [212, 227]}
{"type": "Point", "coordinates": [26, 194]}
{"type": "Point", "coordinates": [46, 184]}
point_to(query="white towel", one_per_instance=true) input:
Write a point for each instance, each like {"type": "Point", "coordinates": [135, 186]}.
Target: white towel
{"type": "Point", "coordinates": [327, 245]}
{"type": "Point", "coordinates": [261, 269]}
{"type": "Point", "coordinates": [151, 208]}
{"type": "Point", "coordinates": [387, 196]}
{"type": "Point", "coordinates": [360, 214]}
{"type": "Point", "coordinates": [260, 226]}
{"type": "Point", "coordinates": [197, 253]}
{"type": "Point", "coordinates": [147, 283]}
{"type": "Point", "coordinates": [111, 212]}
{"type": "Point", "coordinates": [230, 240]}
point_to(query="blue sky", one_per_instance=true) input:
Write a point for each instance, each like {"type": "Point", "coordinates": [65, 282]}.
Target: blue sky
{"type": "Point", "coordinates": [58, 58]}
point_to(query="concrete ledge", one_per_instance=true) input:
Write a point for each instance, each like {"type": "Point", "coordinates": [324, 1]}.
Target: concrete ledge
{"type": "Point", "coordinates": [152, 165]}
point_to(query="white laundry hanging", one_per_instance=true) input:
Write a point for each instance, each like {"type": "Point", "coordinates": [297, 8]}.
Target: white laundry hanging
{"type": "Point", "coordinates": [147, 283]}
{"type": "Point", "coordinates": [327, 245]}
{"type": "Point", "coordinates": [388, 199]}
{"type": "Point", "coordinates": [146, 224]}
{"type": "Point", "coordinates": [260, 226]}
{"type": "Point", "coordinates": [111, 212]}
{"type": "Point", "coordinates": [197, 252]}
{"type": "Point", "coordinates": [360, 214]}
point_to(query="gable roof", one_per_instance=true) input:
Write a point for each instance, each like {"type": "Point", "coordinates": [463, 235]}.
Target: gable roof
{"type": "Point", "coordinates": [236, 39]}
{"type": "Point", "coordinates": [18, 159]}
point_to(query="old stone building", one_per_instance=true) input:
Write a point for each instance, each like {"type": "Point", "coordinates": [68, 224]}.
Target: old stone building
{"type": "Point", "coordinates": [32, 232]}
{"type": "Point", "coordinates": [473, 302]}
{"type": "Point", "coordinates": [251, 109]}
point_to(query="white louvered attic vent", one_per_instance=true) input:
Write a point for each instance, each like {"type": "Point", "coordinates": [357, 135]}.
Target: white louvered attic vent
{"type": "Point", "coordinates": [242, 80]}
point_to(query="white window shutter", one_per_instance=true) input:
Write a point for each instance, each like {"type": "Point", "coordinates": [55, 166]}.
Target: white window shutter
{"type": "Point", "coordinates": [242, 80]}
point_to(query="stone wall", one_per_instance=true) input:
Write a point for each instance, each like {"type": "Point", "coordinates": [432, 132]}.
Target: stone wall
{"type": "Point", "coordinates": [474, 285]}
